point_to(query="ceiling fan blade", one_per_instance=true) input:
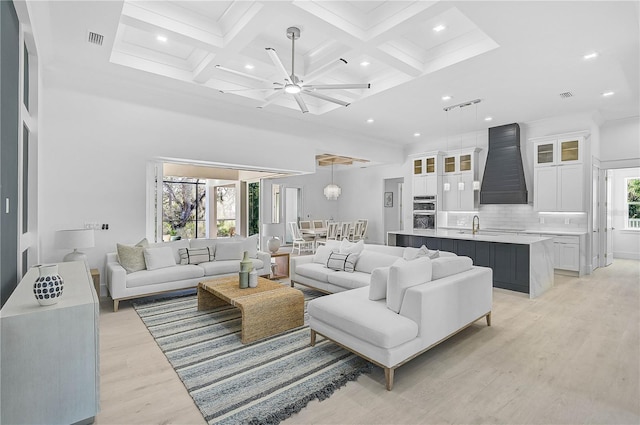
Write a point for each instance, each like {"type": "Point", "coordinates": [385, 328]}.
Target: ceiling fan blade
{"type": "Point", "coordinates": [278, 63]}
{"type": "Point", "coordinates": [242, 74]}
{"type": "Point", "coordinates": [314, 75]}
{"type": "Point", "coordinates": [301, 104]}
{"type": "Point", "coordinates": [256, 89]}
{"type": "Point", "coordinates": [327, 98]}
{"type": "Point", "coordinates": [337, 86]}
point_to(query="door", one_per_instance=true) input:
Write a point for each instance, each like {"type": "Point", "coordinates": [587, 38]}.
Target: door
{"type": "Point", "coordinates": [608, 259]}
{"type": "Point", "coordinates": [292, 209]}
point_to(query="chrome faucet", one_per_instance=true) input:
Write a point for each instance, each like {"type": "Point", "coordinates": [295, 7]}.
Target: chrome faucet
{"type": "Point", "coordinates": [475, 226]}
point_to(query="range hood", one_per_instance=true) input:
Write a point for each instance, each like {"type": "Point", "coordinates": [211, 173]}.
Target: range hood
{"type": "Point", "coordinates": [503, 181]}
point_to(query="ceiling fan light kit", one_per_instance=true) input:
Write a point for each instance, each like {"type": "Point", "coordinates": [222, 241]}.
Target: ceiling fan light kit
{"type": "Point", "coordinates": [295, 86]}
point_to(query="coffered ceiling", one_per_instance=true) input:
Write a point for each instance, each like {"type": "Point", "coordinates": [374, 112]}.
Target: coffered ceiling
{"type": "Point", "coordinates": [516, 56]}
{"type": "Point", "coordinates": [221, 45]}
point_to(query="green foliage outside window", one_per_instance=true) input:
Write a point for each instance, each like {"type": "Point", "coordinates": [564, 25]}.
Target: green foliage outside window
{"type": "Point", "coordinates": [633, 203]}
{"type": "Point", "coordinates": [254, 208]}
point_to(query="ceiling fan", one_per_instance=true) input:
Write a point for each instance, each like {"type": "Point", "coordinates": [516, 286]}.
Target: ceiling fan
{"type": "Point", "coordinates": [294, 85]}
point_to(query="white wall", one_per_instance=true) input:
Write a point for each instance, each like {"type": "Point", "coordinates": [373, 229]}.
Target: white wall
{"type": "Point", "coordinates": [626, 243]}
{"type": "Point", "coordinates": [95, 150]}
{"type": "Point", "coordinates": [620, 143]}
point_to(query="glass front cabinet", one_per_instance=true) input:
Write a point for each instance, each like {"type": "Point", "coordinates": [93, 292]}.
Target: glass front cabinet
{"type": "Point", "coordinates": [558, 151]}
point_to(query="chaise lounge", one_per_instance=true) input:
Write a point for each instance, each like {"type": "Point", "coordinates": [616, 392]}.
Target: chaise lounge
{"type": "Point", "coordinates": [408, 308]}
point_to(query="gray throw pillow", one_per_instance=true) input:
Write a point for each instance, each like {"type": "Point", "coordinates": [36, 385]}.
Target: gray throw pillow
{"type": "Point", "coordinates": [132, 257]}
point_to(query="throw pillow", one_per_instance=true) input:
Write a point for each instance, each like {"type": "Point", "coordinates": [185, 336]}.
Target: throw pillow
{"type": "Point", "coordinates": [322, 255]}
{"type": "Point", "coordinates": [404, 274]}
{"type": "Point", "coordinates": [413, 253]}
{"type": "Point", "coordinates": [132, 257]}
{"type": "Point", "coordinates": [342, 262]}
{"type": "Point", "coordinates": [250, 244]}
{"type": "Point", "coordinates": [378, 285]}
{"type": "Point", "coordinates": [347, 247]}
{"type": "Point", "coordinates": [158, 258]}
{"type": "Point", "coordinates": [229, 251]}
{"type": "Point", "coordinates": [196, 255]}
{"type": "Point", "coordinates": [447, 266]}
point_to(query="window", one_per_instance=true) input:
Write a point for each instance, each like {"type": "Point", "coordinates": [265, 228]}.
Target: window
{"type": "Point", "coordinates": [633, 203]}
{"type": "Point", "coordinates": [254, 208]}
{"type": "Point", "coordinates": [183, 207]}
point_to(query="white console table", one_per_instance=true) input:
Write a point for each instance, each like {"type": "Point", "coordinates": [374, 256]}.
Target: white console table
{"type": "Point", "coordinates": [49, 354]}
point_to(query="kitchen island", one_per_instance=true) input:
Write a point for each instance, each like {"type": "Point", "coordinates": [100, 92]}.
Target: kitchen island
{"type": "Point", "coordinates": [520, 263]}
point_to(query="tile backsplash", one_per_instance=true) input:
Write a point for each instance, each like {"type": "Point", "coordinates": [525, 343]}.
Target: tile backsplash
{"type": "Point", "coordinates": [520, 217]}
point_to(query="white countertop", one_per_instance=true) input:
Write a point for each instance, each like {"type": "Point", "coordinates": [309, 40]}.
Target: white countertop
{"type": "Point", "coordinates": [528, 231]}
{"type": "Point", "coordinates": [492, 237]}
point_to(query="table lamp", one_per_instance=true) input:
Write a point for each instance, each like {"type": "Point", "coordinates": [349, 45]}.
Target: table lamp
{"type": "Point", "coordinates": [74, 239]}
{"type": "Point", "coordinates": [273, 230]}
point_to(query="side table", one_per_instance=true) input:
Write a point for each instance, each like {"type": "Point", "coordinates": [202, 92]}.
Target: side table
{"type": "Point", "coordinates": [95, 274]}
{"type": "Point", "coordinates": [280, 265]}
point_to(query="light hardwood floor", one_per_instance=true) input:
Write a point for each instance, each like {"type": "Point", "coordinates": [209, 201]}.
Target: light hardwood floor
{"type": "Point", "coordinates": [571, 356]}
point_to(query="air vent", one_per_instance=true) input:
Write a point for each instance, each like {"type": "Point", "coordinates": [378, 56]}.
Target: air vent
{"type": "Point", "coordinates": [95, 38]}
{"type": "Point", "coordinates": [566, 94]}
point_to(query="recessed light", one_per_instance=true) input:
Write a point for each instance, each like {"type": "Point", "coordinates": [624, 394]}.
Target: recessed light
{"type": "Point", "coordinates": [446, 97]}
{"type": "Point", "coordinates": [161, 38]}
{"type": "Point", "coordinates": [488, 118]}
{"type": "Point", "coordinates": [439, 28]}
{"type": "Point", "coordinates": [365, 63]}
{"type": "Point", "coordinates": [416, 134]}
{"type": "Point", "coordinates": [608, 93]}
{"type": "Point", "coordinates": [249, 66]}
{"type": "Point", "coordinates": [370, 120]}
{"type": "Point", "coordinates": [591, 55]}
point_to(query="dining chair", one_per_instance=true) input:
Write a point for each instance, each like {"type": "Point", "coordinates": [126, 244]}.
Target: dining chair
{"type": "Point", "coordinates": [299, 240]}
{"type": "Point", "coordinates": [357, 231]}
{"type": "Point", "coordinates": [345, 229]}
{"type": "Point", "coordinates": [365, 223]}
{"type": "Point", "coordinates": [318, 224]}
{"type": "Point", "coordinates": [305, 225]}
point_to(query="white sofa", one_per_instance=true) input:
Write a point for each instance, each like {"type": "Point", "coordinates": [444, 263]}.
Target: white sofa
{"type": "Point", "coordinates": [428, 304]}
{"type": "Point", "coordinates": [175, 276]}
{"type": "Point", "coordinates": [312, 271]}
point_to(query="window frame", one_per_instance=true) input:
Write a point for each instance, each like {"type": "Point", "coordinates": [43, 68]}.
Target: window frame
{"type": "Point", "coordinates": [627, 204]}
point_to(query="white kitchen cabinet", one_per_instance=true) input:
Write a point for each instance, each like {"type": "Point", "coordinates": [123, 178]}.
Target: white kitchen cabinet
{"type": "Point", "coordinates": [559, 188]}
{"type": "Point", "coordinates": [425, 185]}
{"type": "Point", "coordinates": [461, 196]}
{"type": "Point", "coordinates": [566, 252]}
{"type": "Point", "coordinates": [558, 150]}
{"type": "Point", "coordinates": [559, 177]}
{"type": "Point", "coordinates": [426, 170]}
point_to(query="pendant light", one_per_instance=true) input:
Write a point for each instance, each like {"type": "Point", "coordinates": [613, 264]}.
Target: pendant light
{"type": "Point", "coordinates": [476, 182]}
{"type": "Point", "coordinates": [460, 182]}
{"type": "Point", "coordinates": [447, 186]}
{"type": "Point", "coordinates": [332, 191]}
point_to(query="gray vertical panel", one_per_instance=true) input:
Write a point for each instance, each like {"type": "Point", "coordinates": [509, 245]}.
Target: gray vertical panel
{"type": "Point", "coordinates": [9, 79]}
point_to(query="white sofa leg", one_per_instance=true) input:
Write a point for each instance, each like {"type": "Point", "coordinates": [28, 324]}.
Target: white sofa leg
{"type": "Point", "coordinates": [388, 376]}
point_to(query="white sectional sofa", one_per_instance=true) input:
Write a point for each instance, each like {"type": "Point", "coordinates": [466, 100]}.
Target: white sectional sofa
{"type": "Point", "coordinates": [163, 272]}
{"type": "Point", "coordinates": [419, 304]}
{"type": "Point", "coordinates": [312, 270]}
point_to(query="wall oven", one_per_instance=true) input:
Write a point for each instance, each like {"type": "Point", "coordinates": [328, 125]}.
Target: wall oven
{"type": "Point", "coordinates": [424, 212]}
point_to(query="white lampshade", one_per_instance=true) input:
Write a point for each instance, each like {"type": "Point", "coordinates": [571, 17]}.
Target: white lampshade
{"type": "Point", "coordinates": [74, 239]}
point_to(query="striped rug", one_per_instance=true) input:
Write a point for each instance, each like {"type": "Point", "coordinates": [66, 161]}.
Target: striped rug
{"type": "Point", "coordinates": [260, 383]}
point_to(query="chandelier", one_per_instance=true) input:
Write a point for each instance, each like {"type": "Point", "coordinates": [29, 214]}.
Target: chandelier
{"type": "Point", "coordinates": [332, 191]}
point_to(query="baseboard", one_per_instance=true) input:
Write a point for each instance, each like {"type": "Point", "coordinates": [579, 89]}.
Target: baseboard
{"type": "Point", "coordinates": [626, 255]}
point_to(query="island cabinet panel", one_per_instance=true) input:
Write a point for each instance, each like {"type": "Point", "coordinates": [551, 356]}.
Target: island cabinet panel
{"type": "Point", "coordinates": [510, 262]}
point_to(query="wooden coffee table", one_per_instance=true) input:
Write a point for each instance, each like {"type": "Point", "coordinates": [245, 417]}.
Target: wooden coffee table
{"type": "Point", "coordinates": [269, 309]}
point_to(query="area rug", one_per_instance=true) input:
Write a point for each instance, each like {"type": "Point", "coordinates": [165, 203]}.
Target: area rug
{"type": "Point", "coordinates": [260, 383]}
